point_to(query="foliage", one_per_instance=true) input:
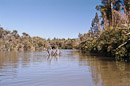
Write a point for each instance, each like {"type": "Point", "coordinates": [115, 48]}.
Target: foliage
{"type": "Point", "coordinates": [107, 44]}
{"type": "Point", "coordinates": [12, 41]}
{"type": "Point", "coordinates": [65, 44]}
{"type": "Point", "coordinates": [114, 39]}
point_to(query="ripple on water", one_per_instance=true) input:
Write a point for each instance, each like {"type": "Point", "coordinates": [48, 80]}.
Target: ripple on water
{"type": "Point", "coordinates": [70, 69]}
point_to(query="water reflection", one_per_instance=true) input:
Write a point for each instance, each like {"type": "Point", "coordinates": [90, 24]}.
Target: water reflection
{"type": "Point", "coordinates": [50, 58]}
{"type": "Point", "coordinates": [70, 69]}
{"type": "Point", "coordinates": [107, 72]}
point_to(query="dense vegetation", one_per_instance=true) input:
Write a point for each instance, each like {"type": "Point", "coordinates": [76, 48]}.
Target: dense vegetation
{"type": "Point", "coordinates": [65, 44]}
{"type": "Point", "coordinates": [12, 41]}
{"type": "Point", "coordinates": [111, 37]}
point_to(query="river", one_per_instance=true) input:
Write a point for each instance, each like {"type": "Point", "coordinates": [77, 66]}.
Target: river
{"type": "Point", "coordinates": [70, 69]}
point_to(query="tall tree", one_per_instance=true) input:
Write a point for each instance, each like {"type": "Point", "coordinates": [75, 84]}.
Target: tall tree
{"type": "Point", "coordinates": [127, 7]}
{"type": "Point", "coordinates": [95, 26]}
{"type": "Point", "coordinates": [106, 10]}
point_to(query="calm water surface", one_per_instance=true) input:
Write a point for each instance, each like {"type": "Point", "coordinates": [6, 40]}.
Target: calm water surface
{"type": "Point", "coordinates": [70, 69]}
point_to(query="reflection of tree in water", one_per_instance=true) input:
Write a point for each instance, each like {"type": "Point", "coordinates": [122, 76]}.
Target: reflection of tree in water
{"type": "Point", "coordinates": [107, 72]}
{"type": "Point", "coordinates": [9, 58]}
{"type": "Point", "coordinates": [14, 59]}
{"type": "Point", "coordinates": [10, 62]}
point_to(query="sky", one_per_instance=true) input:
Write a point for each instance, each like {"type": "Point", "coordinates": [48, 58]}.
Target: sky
{"type": "Point", "coordinates": [48, 18]}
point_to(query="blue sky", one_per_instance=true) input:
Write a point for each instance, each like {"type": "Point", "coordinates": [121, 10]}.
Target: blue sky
{"type": "Point", "coordinates": [48, 18]}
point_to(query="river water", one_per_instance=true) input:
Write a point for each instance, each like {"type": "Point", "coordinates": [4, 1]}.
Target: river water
{"type": "Point", "coordinates": [70, 69]}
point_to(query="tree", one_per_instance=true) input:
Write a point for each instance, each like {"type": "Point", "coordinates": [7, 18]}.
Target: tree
{"type": "Point", "coordinates": [80, 37]}
{"type": "Point", "coordinates": [95, 29]}
{"type": "Point", "coordinates": [14, 32]}
{"type": "Point", "coordinates": [111, 12]}
{"type": "Point", "coordinates": [127, 7]}
{"type": "Point", "coordinates": [25, 34]}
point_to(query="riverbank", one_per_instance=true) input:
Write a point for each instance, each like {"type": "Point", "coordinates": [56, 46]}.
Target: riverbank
{"type": "Point", "coordinates": [112, 42]}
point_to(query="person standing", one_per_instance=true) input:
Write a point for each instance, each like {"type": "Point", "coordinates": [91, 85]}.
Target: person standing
{"type": "Point", "coordinates": [57, 52]}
